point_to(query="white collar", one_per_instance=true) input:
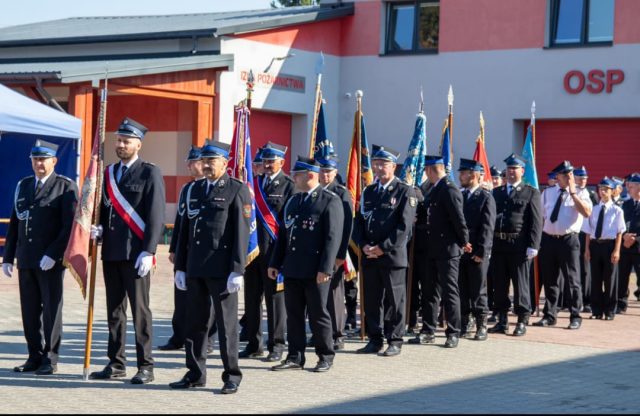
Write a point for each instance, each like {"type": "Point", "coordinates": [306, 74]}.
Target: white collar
{"type": "Point", "coordinates": [472, 190]}
{"type": "Point", "coordinates": [43, 180]}
{"type": "Point", "coordinates": [129, 163]}
{"type": "Point", "coordinates": [385, 186]}
{"type": "Point", "coordinates": [515, 185]}
{"type": "Point", "coordinates": [606, 205]}
{"type": "Point", "coordinates": [272, 177]}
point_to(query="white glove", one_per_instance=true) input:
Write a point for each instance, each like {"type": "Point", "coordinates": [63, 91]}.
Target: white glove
{"type": "Point", "coordinates": [144, 263]}
{"type": "Point", "coordinates": [7, 269]}
{"type": "Point", "coordinates": [96, 232]}
{"type": "Point", "coordinates": [234, 282]}
{"type": "Point", "coordinates": [181, 280]}
{"type": "Point", "coordinates": [531, 253]}
{"type": "Point", "coordinates": [47, 263]}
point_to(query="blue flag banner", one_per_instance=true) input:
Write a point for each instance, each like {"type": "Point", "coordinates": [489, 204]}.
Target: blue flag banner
{"type": "Point", "coordinates": [445, 151]}
{"type": "Point", "coordinates": [530, 176]}
{"type": "Point", "coordinates": [322, 147]}
{"type": "Point", "coordinates": [413, 167]}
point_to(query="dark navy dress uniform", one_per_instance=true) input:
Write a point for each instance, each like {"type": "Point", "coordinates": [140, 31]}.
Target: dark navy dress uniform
{"type": "Point", "coordinates": [213, 245]}
{"type": "Point", "coordinates": [142, 186]}
{"type": "Point", "coordinates": [386, 220]}
{"type": "Point", "coordinates": [629, 256]}
{"type": "Point", "coordinates": [308, 244]}
{"type": "Point", "coordinates": [40, 225]}
{"type": "Point", "coordinates": [419, 251]}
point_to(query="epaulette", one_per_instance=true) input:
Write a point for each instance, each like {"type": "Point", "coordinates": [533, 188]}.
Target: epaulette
{"type": "Point", "coordinates": [64, 178]}
{"type": "Point", "coordinates": [148, 163]}
{"type": "Point", "coordinates": [341, 187]}
{"type": "Point", "coordinates": [331, 192]}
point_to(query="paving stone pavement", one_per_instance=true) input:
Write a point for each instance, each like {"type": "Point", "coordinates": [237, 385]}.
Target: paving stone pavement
{"type": "Point", "coordinates": [544, 372]}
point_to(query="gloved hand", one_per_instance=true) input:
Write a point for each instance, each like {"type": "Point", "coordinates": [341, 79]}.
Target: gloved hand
{"type": "Point", "coordinates": [181, 280]}
{"type": "Point", "coordinates": [234, 282]}
{"type": "Point", "coordinates": [144, 263]}
{"type": "Point", "coordinates": [96, 232]}
{"type": "Point", "coordinates": [7, 269]}
{"type": "Point", "coordinates": [531, 253]}
{"type": "Point", "coordinates": [47, 263]}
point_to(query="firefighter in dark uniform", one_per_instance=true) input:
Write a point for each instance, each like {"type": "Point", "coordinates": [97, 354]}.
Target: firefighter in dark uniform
{"type": "Point", "coordinates": [582, 178]}
{"type": "Point", "coordinates": [496, 180]}
{"type": "Point", "coordinates": [382, 230]}
{"type": "Point", "coordinates": [630, 251]}
{"type": "Point", "coordinates": [516, 242]}
{"type": "Point", "coordinates": [418, 269]}
{"type": "Point", "coordinates": [210, 258]}
{"type": "Point", "coordinates": [447, 237]}
{"type": "Point", "coordinates": [336, 301]}
{"type": "Point", "coordinates": [275, 188]}
{"type": "Point", "coordinates": [39, 229]}
{"type": "Point", "coordinates": [179, 319]}
{"type": "Point", "coordinates": [128, 249]}
{"type": "Point", "coordinates": [480, 216]}
{"type": "Point", "coordinates": [305, 255]}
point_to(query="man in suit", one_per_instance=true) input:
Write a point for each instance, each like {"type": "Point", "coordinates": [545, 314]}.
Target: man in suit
{"type": "Point", "coordinates": [447, 237]}
{"type": "Point", "coordinates": [131, 223]}
{"type": "Point", "coordinates": [211, 254]}
{"type": "Point", "coordinates": [382, 230]}
{"type": "Point", "coordinates": [39, 229]}
{"type": "Point", "coordinates": [516, 241]}
{"type": "Point", "coordinates": [273, 188]}
{"type": "Point", "coordinates": [630, 251]}
{"type": "Point", "coordinates": [336, 301]}
{"type": "Point", "coordinates": [480, 216]}
{"type": "Point", "coordinates": [179, 319]}
{"type": "Point", "coordinates": [305, 255]}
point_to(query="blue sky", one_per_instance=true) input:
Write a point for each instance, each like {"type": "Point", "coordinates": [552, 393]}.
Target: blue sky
{"type": "Point", "coordinates": [28, 11]}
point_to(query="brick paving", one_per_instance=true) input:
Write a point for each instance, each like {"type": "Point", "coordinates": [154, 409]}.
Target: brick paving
{"type": "Point", "coordinates": [551, 370]}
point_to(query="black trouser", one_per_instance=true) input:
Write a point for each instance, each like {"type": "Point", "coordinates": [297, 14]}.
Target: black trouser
{"type": "Point", "coordinates": [385, 291]}
{"type": "Point", "coordinates": [510, 267]}
{"type": "Point", "coordinates": [473, 287]}
{"type": "Point", "coordinates": [440, 281]}
{"type": "Point", "coordinates": [418, 271]}
{"type": "Point", "coordinates": [304, 296]}
{"type": "Point", "coordinates": [603, 274]}
{"type": "Point", "coordinates": [121, 281]}
{"type": "Point", "coordinates": [200, 294]}
{"type": "Point", "coordinates": [585, 271]}
{"type": "Point", "coordinates": [335, 304]}
{"type": "Point", "coordinates": [41, 306]}
{"type": "Point", "coordinates": [560, 255]}
{"type": "Point", "coordinates": [179, 319]}
{"type": "Point", "coordinates": [253, 294]}
{"type": "Point", "coordinates": [628, 261]}
{"type": "Point", "coordinates": [490, 285]}
{"type": "Point", "coordinates": [351, 297]}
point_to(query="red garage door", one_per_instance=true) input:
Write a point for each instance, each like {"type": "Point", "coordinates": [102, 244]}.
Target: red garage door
{"type": "Point", "coordinates": [267, 126]}
{"type": "Point", "coordinates": [606, 147]}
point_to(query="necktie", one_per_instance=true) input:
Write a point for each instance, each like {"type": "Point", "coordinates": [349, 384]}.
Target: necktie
{"type": "Point", "coordinates": [267, 181]}
{"type": "Point", "coordinates": [303, 197]}
{"type": "Point", "coordinates": [600, 223]}
{"type": "Point", "coordinates": [556, 207]}
{"type": "Point", "coordinates": [39, 186]}
{"type": "Point", "coordinates": [509, 189]}
{"type": "Point", "coordinates": [123, 170]}
{"type": "Point", "coordinates": [465, 194]}
{"type": "Point", "coordinates": [209, 187]}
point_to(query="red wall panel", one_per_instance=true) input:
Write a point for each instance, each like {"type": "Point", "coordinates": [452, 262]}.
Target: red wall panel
{"type": "Point", "coordinates": [268, 126]}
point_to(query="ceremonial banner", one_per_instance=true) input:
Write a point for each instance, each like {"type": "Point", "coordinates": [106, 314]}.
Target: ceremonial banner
{"type": "Point", "coordinates": [413, 167]}
{"type": "Point", "coordinates": [530, 176]}
{"type": "Point", "coordinates": [359, 173]}
{"type": "Point", "coordinates": [480, 154]}
{"type": "Point", "coordinates": [321, 146]}
{"type": "Point", "coordinates": [446, 151]}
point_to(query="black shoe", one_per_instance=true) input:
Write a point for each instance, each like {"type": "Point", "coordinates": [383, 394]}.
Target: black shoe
{"type": "Point", "coordinates": [451, 342]}
{"type": "Point", "coordinates": [544, 322]}
{"type": "Point", "coordinates": [27, 367]}
{"type": "Point", "coordinates": [392, 351]}
{"type": "Point", "coordinates": [609, 317]}
{"type": "Point", "coordinates": [575, 324]}
{"type": "Point", "coordinates": [273, 357]}
{"type": "Point", "coordinates": [499, 328]}
{"type": "Point", "coordinates": [185, 383]}
{"type": "Point", "coordinates": [107, 374]}
{"type": "Point", "coordinates": [169, 347]}
{"type": "Point", "coordinates": [370, 348]}
{"type": "Point", "coordinates": [481, 334]}
{"type": "Point", "coordinates": [521, 330]}
{"type": "Point", "coordinates": [250, 354]}
{"type": "Point", "coordinates": [338, 344]}
{"type": "Point", "coordinates": [493, 318]}
{"type": "Point", "coordinates": [423, 338]}
{"type": "Point", "coordinates": [586, 309]}
{"type": "Point", "coordinates": [596, 316]}
{"type": "Point", "coordinates": [47, 369]}
{"type": "Point", "coordinates": [287, 365]}
{"type": "Point", "coordinates": [143, 376]}
{"type": "Point", "coordinates": [229, 388]}
{"type": "Point", "coordinates": [322, 367]}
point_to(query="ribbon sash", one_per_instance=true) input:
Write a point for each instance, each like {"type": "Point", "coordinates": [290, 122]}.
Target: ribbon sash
{"type": "Point", "coordinates": [265, 214]}
{"type": "Point", "coordinates": [122, 206]}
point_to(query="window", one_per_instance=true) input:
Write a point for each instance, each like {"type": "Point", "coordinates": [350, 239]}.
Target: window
{"type": "Point", "coordinates": [413, 27]}
{"type": "Point", "coordinates": [582, 22]}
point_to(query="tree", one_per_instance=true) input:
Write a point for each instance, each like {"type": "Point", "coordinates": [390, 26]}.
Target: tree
{"type": "Point", "coordinates": [292, 3]}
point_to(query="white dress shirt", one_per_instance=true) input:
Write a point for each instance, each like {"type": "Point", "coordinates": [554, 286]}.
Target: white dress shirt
{"type": "Point", "coordinates": [612, 224]}
{"type": "Point", "coordinates": [43, 180]}
{"type": "Point", "coordinates": [569, 219]}
{"type": "Point", "coordinates": [128, 165]}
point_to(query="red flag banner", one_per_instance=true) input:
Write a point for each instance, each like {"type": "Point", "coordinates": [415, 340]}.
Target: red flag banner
{"type": "Point", "coordinates": [480, 154]}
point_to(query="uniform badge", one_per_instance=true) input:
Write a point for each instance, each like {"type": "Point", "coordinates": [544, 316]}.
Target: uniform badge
{"type": "Point", "coordinates": [246, 210]}
{"type": "Point", "coordinates": [276, 182]}
{"type": "Point", "coordinates": [392, 201]}
{"type": "Point", "coordinates": [518, 188]}
{"type": "Point", "coordinates": [221, 183]}
{"type": "Point", "coordinates": [390, 188]}
{"type": "Point", "coordinates": [413, 201]}
{"type": "Point", "coordinates": [314, 194]}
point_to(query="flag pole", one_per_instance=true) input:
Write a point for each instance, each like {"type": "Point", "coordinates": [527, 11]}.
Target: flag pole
{"type": "Point", "coordinates": [450, 119]}
{"type": "Point", "coordinates": [96, 221]}
{"type": "Point", "coordinates": [536, 266]}
{"type": "Point", "coordinates": [316, 107]}
{"type": "Point", "coordinates": [359, 95]}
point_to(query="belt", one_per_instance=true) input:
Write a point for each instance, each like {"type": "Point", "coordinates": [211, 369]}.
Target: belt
{"type": "Point", "coordinates": [507, 236]}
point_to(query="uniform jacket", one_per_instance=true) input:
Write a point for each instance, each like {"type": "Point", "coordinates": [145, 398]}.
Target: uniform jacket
{"type": "Point", "coordinates": [521, 213]}
{"type": "Point", "coordinates": [480, 216]}
{"type": "Point", "coordinates": [40, 224]}
{"type": "Point", "coordinates": [446, 227]}
{"type": "Point", "coordinates": [182, 204]}
{"type": "Point", "coordinates": [310, 236]}
{"type": "Point", "coordinates": [277, 192]}
{"type": "Point", "coordinates": [143, 187]}
{"type": "Point", "coordinates": [421, 217]}
{"type": "Point", "coordinates": [347, 207]}
{"type": "Point", "coordinates": [214, 230]}
{"type": "Point", "coordinates": [386, 219]}
{"type": "Point", "coordinates": [632, 221]}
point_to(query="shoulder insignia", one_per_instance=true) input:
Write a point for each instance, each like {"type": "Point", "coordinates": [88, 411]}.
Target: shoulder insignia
{"type": "Point", "coordinates": [342, 187]}
{"type": "Point", "coordinates": [65, 178]}
{"type": "Point", "coordinates": [148, 163]}
{"type": "Point", "coordinates": [330, 192]}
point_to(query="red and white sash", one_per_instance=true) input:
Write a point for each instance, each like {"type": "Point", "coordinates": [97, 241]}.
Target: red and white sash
{"type": "Point", "coordinates": [122, 206]}
{"type": "Point", "coordinates": [264, 211]}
